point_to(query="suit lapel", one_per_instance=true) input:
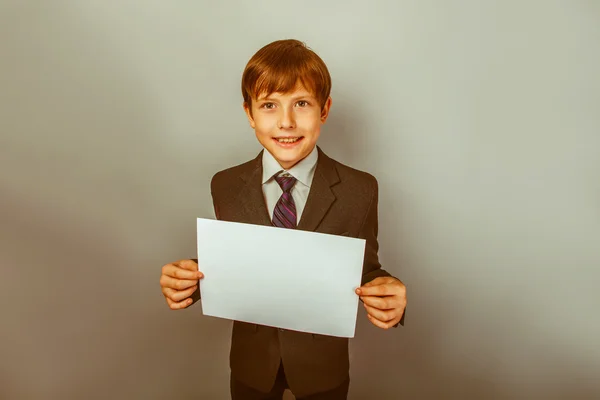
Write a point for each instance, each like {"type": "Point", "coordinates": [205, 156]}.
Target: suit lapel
{"type": "Point", "coordinates": [253, 209]}
{"type": "Point", "coordinates": [320, 197]}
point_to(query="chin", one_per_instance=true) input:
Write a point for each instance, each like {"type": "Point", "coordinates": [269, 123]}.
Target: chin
{"type": "Point", "coordinates": [291, 161]}
{"type": "Point", "coordinates": [284, 157]}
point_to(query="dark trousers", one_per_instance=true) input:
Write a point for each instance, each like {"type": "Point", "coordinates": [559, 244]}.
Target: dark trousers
{"type": "Point", "coordinates": [239, 391]}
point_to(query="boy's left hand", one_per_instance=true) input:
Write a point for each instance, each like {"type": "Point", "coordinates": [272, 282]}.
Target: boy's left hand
{"type": "Point", "coordinates": [384, 299]}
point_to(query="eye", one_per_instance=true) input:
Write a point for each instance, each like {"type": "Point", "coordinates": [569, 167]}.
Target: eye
{"type": "Point", "coordinates": [268, 106]}
{"type": "Point", "coordinates": [302, 103]}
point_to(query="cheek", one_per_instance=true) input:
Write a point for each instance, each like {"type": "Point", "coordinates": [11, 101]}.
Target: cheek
{"type": "Point", "coordinates": [264, 126]}
{"type": "Point", "coordinates": [313, 129]}
{"type": "Point", "coordinates": [311, 123]}
{"type": "Point", "coordinates": [262, 131]}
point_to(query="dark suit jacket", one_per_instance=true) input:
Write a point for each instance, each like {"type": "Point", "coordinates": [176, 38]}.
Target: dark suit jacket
{"type": "Point", "coordinates": [342, 201]}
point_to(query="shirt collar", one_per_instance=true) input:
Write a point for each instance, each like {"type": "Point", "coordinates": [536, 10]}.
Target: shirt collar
{"type": "Point", "coordinates": [304, 171]}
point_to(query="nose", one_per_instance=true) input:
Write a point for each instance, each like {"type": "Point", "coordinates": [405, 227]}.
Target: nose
{"type": "Point", "coordinates": [286, 120]}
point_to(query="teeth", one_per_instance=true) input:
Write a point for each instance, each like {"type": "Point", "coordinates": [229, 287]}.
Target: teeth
{"type": "Point", "coordinates": [287, 140]}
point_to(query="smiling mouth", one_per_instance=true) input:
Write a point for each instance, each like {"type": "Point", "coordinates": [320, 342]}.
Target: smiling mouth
{"type": "Point", "coordinates": [288, 139]}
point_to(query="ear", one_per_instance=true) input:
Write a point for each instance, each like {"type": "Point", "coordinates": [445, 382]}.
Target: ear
{"type": "Point", "coordinates": [248, 110]}
{"type": "Point", "coordinates": [325, 110]}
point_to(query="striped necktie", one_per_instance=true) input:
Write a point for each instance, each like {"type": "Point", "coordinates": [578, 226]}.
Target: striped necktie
{"type": "Point", "coordinates": [284, 214]}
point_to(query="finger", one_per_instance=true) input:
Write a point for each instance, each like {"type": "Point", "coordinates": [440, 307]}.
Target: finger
{"type": "Point", "coordinates": [382, 325]}
{"type": "Point", "coordinates": [179, 295]}
{"type": "Point", "coordinates": [180, 273]}
{"type": "Point", "coordinates": [190, 265]}
{"type": "Point", "coordinates": [382, 303]}
{"type": "Point", "coordinates": [177, 284]}
{"type": "Point", "coordinates": [385, 289]}
{"type": "Point", "coordinates": [381, 315]}
{"type": "Point", "coordinates": [173, 305]}
{"type": "Point", "coordinates": [376, 322]}
{"type": "Point", "coordinates": [377, 281]}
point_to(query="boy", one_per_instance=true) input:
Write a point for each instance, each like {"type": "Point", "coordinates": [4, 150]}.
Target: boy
{"type": "Point", "coordinates": [292, 184]}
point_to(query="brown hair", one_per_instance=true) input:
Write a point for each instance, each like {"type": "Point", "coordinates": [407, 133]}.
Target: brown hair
{"type": "Point", "coordinates": [280, 65]}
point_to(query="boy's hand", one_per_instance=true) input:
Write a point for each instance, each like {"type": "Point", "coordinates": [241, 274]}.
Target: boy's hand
{"type": "Point", "coordinates": [178, 281]}
{"type": "Point", "coordinates": [384, 299]}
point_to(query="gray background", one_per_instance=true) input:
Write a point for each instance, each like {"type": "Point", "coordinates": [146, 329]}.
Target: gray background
{"type": "Point", "coordinates": [479, 118]}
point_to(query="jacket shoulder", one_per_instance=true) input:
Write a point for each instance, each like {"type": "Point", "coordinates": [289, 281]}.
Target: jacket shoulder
{"type": "Point", "coordinates": [224, 179]}
{"type": "Point", "coordinates": [356, 178]}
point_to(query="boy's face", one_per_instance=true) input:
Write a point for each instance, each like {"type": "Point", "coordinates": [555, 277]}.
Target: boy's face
{"type": "Point", "coordinates": [288, 124]}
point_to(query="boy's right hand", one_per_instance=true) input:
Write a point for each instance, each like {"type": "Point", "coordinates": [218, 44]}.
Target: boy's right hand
{"type": "Point", "coordinates": [178, 281]}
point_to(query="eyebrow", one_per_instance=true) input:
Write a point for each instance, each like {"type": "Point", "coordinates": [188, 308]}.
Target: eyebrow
{"type": "Point", "coordinates": [300, 97]}
{"type": "Point", "coordinates": [304, 96]}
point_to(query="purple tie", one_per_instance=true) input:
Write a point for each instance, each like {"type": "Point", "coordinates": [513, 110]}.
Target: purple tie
{"type": "Point", "coordinates": [284, 215]}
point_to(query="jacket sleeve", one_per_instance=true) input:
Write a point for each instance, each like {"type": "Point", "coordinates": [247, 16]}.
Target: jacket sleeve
{"type": "Point", "coordinates": [196, 295]}
{"type": "Point", "coordinates": [369, 231]}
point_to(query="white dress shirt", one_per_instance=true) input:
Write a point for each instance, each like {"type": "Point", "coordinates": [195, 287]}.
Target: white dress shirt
{"type": "Point", "coordinates": [304, 172]}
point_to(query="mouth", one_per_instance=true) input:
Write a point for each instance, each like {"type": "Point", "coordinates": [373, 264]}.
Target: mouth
{"type": "Point", "coordinates": [288, 141]}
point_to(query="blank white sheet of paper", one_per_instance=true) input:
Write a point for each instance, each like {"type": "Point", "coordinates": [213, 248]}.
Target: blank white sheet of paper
{"type": "Point", "coordinates": [285, 278]}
